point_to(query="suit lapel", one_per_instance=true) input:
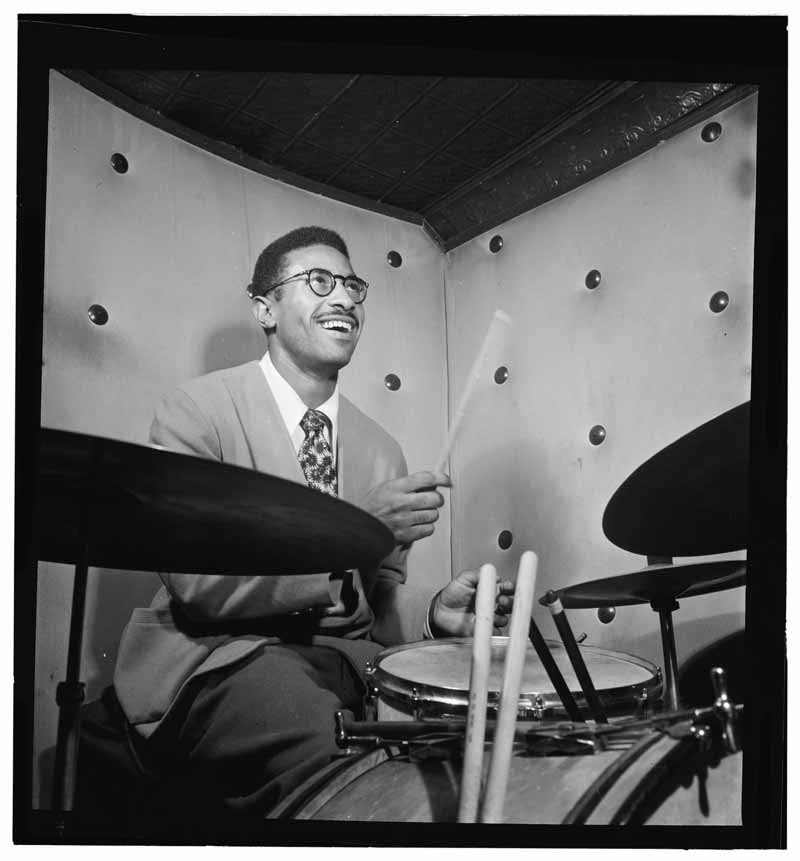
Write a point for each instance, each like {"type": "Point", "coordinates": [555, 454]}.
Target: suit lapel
{"type": "Point", "coordinates": [270, 445]}
{"type": "Point", "coordinates": [351, 478]}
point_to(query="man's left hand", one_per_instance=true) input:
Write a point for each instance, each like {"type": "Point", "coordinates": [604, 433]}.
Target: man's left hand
{"type": "Point", "coordinates": [454, 607]}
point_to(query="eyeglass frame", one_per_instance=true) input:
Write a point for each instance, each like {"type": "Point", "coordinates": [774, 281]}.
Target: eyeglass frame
{"type": "Point", "coordinates": [306, 273]}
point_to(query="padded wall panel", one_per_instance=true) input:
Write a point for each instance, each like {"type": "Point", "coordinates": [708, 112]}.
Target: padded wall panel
{"type": "Point", "coordinates": [167, 248]}
{"type": "Point", "coordinates": [642, 355]}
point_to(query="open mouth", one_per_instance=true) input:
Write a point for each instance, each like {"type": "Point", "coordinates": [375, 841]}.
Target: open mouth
{"type": "Point", "coordinates": [345, 327]}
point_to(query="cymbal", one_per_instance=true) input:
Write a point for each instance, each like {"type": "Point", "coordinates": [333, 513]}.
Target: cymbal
{"type": "Point", "coordinates": [149, 509]}
{"type": "Point", "coordinates": [656, 583]}
{"type": "Point", "coordinates": [690, 499]}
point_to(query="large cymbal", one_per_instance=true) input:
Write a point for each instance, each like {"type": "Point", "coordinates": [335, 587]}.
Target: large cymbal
{"type": "Point", "coordinates": [690, 499]}
{"type": "Point", "coordinates": [157, 510]}
{"type": "Point", "coordinates": [656, 583]}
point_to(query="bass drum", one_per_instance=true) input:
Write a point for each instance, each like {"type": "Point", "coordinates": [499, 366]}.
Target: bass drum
{"type": "Point", "coordinates": [651, 788]}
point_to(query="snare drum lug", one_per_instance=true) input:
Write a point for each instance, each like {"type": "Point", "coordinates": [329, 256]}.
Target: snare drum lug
{"type": "Point", "coordinates": [538, 708]}
{"type": "Point", "coordinates": [416, 708]}
{"type": "Point", "coordinates": [642, 704]}
{"type": "Point", "coordinates": [371, 696]}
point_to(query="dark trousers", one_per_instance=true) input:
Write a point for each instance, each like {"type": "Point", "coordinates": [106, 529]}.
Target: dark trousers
{"type": "Point", "coordinates": [252, 732]}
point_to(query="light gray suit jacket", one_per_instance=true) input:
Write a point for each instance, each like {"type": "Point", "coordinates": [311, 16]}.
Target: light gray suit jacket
{"type": "Point", "coordinates": [197, 623]}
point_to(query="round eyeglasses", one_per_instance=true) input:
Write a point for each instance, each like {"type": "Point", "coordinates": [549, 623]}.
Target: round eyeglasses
{"type": "Point", "coordinates": [323, 283]}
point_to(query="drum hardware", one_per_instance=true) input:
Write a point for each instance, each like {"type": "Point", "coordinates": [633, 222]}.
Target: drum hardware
{"type": "Point", "coordinates": [660, 585]}
{"type": "Point", "coordinates": [643, 701]}
{"type": "Point", "coordinates": [548, 662]}
{"type": "Point", "coordinates": [725, 710]}
{"type": "Point", "coordinates": [665, 608]}
{"type": "Point", "coordinates": [552, 602]}
{"type": "Point", "coordinates": [370, 699]}
{"type": "Point", "coordinates": [438, 670]}
{"type": "Point", "coordinates": [112, 504]}
{"type": "Point", "coordinates": [416, 706]}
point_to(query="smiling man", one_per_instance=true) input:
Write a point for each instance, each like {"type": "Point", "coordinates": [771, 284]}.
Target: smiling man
{"type": "Point", "coordinates": [234, 681]}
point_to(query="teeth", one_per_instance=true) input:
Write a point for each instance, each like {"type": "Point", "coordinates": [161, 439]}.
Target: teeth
{"type": "Point", "coordinates": [337, 324]}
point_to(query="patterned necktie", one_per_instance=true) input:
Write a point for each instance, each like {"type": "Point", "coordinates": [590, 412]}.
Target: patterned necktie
{"type": "Point", "coordinates": [315, 454]}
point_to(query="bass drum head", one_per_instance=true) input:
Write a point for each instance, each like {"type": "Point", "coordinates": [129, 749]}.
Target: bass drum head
{"type": "Point", "coordinates": [385, 787]}
{"type": "Point", "coordinates": [433, 677]}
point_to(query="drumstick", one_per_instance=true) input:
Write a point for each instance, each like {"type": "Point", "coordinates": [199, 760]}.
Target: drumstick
{"type": "Point", "coordinates": [472, 379]}
{"type": "Point", "coordinates": [553, 602]}
{"type": "Point", "coordinates": [478, 695]}
{"type": "Point", "coordinates": [497, 781]}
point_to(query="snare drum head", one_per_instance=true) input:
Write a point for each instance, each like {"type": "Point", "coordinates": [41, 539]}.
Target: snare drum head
{"type": "Point", "coordinates": [435, 673]}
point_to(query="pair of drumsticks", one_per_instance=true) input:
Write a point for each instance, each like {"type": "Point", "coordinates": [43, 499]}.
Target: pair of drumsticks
{"type": "Point", "coordinates": [491, 809]}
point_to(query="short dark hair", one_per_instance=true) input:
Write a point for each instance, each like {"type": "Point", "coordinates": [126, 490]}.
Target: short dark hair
{"type": "Point", "coordinates": [268, 266]}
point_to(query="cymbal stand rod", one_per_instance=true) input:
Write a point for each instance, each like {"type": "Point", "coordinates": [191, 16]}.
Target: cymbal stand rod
{"type": "Point", "coordinates": [664, 609]}
{"type": "Point", "coordinates": [553, 603]}
{"type": "Point", "coordinates": [70, 692]}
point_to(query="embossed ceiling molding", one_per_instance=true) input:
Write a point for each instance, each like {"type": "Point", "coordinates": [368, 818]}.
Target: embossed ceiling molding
{"type": "Point", "coordinates": [575, 152]}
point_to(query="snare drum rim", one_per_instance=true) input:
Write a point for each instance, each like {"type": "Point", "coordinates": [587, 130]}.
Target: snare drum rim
{"type": "Point", "coordinates": [437, 699]}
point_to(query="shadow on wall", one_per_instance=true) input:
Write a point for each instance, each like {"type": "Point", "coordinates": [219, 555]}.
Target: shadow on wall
{"type": "Point", "coordinates": [232, 345]}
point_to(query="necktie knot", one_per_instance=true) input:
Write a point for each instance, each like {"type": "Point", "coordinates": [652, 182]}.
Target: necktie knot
{"type": "Point", "coordinates": [313, 422]}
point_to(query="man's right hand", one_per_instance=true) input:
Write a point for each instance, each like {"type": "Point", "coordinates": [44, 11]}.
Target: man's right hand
{"type": "Point", "coordinates": [408, 505]}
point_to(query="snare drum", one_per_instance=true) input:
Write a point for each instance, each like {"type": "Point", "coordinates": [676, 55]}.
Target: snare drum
{"type": "Point", "coordinates": [431, 679]}
{"type": "Point", "coordinates": [388, 787]}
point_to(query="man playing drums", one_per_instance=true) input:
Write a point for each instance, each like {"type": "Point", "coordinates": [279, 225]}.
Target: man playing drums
{"type": "Point", "coordinates": [236, 679]}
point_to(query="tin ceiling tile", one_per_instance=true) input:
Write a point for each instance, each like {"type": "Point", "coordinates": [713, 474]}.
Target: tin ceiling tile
{"type": "Point", "coordinates": [394, 154]}
{"type": "Point", "coordinates": [444, 173]}
{"type": "Point", "coordinates": [380, 98]}
{"type": "Point", "coordinates": [340, 132]}
{"type": "Point", "coordinates": [205, 117]}
{"type": "Point", "coordinates": [473, 94]}
{"type": "Point", "coordinates": [432, 122]}
{"type": "Point", "coordinates": [482, 145]}
{"type": "Point", "coordinates": [411, 197]}
{"type": "Point", "coordinates": [310, 161]}
{"type": "Point", "coordinates": [223, 87]}
{"type": "Point", "coordinates": [359, 179]}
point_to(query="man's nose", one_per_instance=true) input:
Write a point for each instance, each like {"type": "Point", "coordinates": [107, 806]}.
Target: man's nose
{"type": "Point", "coordinates": [339, 296]}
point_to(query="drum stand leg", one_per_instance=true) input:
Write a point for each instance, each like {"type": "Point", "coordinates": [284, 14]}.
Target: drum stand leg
{"type": "Point", "coordinates": [70, 695]}
{"type": "Point", "coordinates": [664, 608]}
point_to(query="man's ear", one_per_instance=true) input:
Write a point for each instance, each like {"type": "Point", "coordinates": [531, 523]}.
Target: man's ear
{"type": "Point", "coordinates": [262, 311]}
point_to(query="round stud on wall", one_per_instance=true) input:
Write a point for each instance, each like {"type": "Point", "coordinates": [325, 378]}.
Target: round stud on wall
{"type": "Point", "coordinates": [501, 375]}
{"type": "Point", "coordinates": [119, 162]}
{"type": "Point", "coordinates": [392, 382]}
{"type": "Point", "coordinates": [505, 540]}
{"type": "Point", "coordinates": [98, 315]}
{"type": "Point", "coordinates": [711, 132]}
{"type": "Point", "coordinates": [495, 244]}
{"type": "Point", "coordinates": [394, 259]}
{"type": "Point", "coordinates": [597, 435]}
{"type": "Point", "coordinates": [719, 301]}
{"type": "Point", "coordinates": [593, 279]}
{"type": "Point", "coordinates": [606, 614]}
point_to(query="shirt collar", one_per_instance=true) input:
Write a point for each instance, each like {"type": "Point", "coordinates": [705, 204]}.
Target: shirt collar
{"type": "Point", "coordinates": [290, 404]}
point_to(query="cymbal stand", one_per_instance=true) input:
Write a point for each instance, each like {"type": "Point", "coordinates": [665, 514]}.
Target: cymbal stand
{"type": "Point", "coordinates": [70, 693]}
{"type": "Point", "coordinates": [664, 607]}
